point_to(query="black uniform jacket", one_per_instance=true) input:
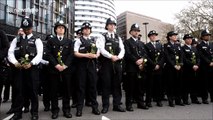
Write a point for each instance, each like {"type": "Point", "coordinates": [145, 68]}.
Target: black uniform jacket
{"type": "Point", "coordinates": [188, 57]}
{"type": "Point", "coordinates": [206, 53]}
{"type": "Point", "coordinates": [53, 47]}
{"type": "Point", "coordinates": [134, 50]}
{"type": "Point", "coordinates": [171, 53]}
{"type": "Point", "coordinates": [156, 55]}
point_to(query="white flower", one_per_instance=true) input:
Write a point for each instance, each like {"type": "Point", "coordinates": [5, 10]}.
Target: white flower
{"type": "Point", "coordinates": [145, 60]}
{"type": "Point", "coordinates": [177, 57]}
{"type": "Point", "coordinates": [26, 56]}
{"type": "Point", "coordinates": [193, 53]}
{"type": "Point", "coordinates": [93, 45]}
{"type": "Point", "coordinates": [110, 47]}
{"type": "Point", "coordinates": [158, 53]}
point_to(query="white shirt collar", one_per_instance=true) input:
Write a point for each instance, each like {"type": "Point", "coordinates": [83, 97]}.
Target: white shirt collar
{"type": "Point", "coordinates": [28, 36]}
{"type": "Point", "coordinates": [86, 37]}
{"type": "Point", "coordinates": [153, 42]}
{"type": "Point", "coordinates": [60, 36]}
{"type": "Point", "coordinates": [109, 34]}
{"type": "Point", "coordinates": [189, 46]}
{"type": "Point", "coordinates": [135, 39]}
{"type": "Point", "coordinates": [172, 42]}
{"type": "Point", "coordinates": [206, 42]}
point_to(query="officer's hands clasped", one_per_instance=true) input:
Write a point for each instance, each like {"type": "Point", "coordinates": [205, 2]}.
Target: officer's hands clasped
{"type": "Point", "coordinates": [22, 66]}
{"type": "Point", "coordinates": [114, 58]}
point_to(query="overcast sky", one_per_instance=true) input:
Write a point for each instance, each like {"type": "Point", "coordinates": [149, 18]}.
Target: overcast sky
{"type": "Point", "coordinates": [160, 9]}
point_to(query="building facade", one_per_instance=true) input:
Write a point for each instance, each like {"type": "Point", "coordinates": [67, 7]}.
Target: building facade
{"type": "Point", "coordinates": [96, 12]}
{"type": "Point", "coordinates": [146, 23]}
{"type": "Point", "coordinates": [44, 14]}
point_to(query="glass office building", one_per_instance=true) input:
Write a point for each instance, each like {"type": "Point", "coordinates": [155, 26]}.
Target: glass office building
{"type": "Point", "coordinates": [44, 14]}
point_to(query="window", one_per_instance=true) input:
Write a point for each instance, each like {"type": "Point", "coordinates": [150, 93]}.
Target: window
{"type": "Point", "coordinates": [11, 3]}
{"type": "Point", "coordinates": [20, 4]}
{"type": "Point", "coordinates": [18, 21]}
{"type": "Point", "coordinates": [10, 19]}
{"type": "Point", "coordinates": [44, 28]}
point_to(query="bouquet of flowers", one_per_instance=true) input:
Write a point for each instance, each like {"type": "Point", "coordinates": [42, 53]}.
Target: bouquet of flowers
{"type": "Point", "coordinates": [156, 57]}
{"type": "Point", "coordinates": [25, 60]}
{"type": "Point", "coordinates": [177, 60]}
{"type": "Point", "coordinates": [93, 48]}
{"type": "Point", "coordinates": [193, 58]}
{"type": "Point", "coordinates": [59, 58]}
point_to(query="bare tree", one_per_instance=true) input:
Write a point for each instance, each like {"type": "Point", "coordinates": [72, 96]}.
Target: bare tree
{"type": "Point", "coordinates": [195, 18]}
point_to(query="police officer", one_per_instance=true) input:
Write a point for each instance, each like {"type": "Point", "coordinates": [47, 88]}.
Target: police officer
{"type": "Point", "coordinates": [25, 54]}
{"type": "Point", "coordinates": [191, 63]}
{"type": "Point", "coordinates": [135, 55]}
{"type": "Point", "coordinates": [86, 51]}
{"type": "Point", "coordinates": [205, 49]}
{"type": "Point", "coordinates": [174, 61]}
{"type": "Point", "coordinates": [4, 45]}
{"type": "Point", "coordinates": [60, 56]}
{"type": "Point", "coordinates": [112, 52]}
{"type": "Point", "coordinates": [154, 69]}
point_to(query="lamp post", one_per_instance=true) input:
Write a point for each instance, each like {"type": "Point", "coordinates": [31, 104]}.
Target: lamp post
{"type": "Point", "coordinates": [146, 23]}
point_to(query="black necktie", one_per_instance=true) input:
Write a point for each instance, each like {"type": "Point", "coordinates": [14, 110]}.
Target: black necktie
{"type": "Point", "coordinates": [26, 37]}
{"type": "Point", "coordinates": [60, 38]}
{"type": "Point", "coordinates": [111, 35]}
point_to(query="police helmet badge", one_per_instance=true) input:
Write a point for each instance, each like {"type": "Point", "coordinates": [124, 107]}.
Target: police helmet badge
{"type": "Point", "coordinates": [136, 26]}
{"type": "Point", "coordinates": [25, 23]}
{"type": "Point", "coordinates": [61, 22]}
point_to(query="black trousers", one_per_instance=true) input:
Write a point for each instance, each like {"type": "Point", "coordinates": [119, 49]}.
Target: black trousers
{"type": "Point", "coordinates": [74, 84]}
{"type": "Point", "coordinates": [60, 82]}
{"type": "Point", "coordinates": [5, 80]}
{"type": "Point", "coordinates": [87, 81]}
{"type": "Point", "coordinates": [174, 84]}
{"type": "Point", "coordinates": [26, 80]}
{"type": "Point", "coordinates": [154, 86]}
{"type": "Point", "coordinates": [205, 82]}
{"type": "Point", "coordinates": [190, 84]}
{"type": "Point", "coordinates": [135, 87]}
{"type": "Point", "coordinates": [111, 76]}
{"type": "Point", "coordinates": [45, 83]}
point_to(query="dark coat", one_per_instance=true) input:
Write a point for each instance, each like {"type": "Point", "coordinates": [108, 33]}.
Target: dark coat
{"type": "Point", "coordinates": [171, 51]}
{"type": "Point", "coordinates": [53, 47]}
{"type": "Point", "coordinates": [134, 50]}
{"type": "Point", "coordinates": [156, 55]}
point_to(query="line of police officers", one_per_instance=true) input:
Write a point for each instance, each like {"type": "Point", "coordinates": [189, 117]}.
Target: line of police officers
{"type": "Point", "coordinates": [148, 70]}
